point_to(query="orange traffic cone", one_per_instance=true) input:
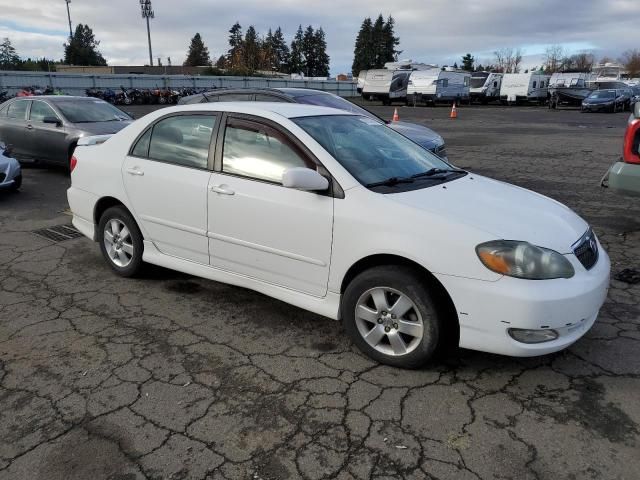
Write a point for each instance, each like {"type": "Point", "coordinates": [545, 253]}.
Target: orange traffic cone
{"type": "Point", "coordinates": [454, 112]}
{"type": "Point", "coordinates": [396, 117]}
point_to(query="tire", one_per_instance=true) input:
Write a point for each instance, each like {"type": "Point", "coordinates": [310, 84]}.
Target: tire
{"type": "Point", "coordinates": [17, 183]}
{"type": "Point", "coordinates": [390, 285]}
{"type": "Point", "coordinates": [130, 250]}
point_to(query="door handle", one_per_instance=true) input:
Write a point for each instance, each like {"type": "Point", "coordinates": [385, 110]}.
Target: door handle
{"type": "Point", "coordinates": [221, 189]}
{"type": "Point", "coordinates": [135, 171]}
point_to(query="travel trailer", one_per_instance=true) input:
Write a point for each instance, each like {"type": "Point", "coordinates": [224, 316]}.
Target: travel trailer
{"type": "Point", "coordinates": [361, 78]}
{"type": "Point", "coordinates": [435, 85]}
{"type": "Point", "coordinates": [570, 88]}
{"type": "Point", "coordinates": [386, 85]}
{"type": "Point", "coordinates": [484, 87]}
{"type": "Point", "coordinates": [524, 87]}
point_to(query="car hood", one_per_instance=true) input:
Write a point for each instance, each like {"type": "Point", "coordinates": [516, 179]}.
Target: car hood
{"type": "Point", "coordinates": [102, 128]}
{"type": "Point", "coordinates": [502, 210]}
{"type": "Point", "coordinates": [421, 135]}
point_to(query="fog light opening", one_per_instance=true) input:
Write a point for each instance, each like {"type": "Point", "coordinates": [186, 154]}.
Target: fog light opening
{"type": "Point", "coordinates": [532, 336]}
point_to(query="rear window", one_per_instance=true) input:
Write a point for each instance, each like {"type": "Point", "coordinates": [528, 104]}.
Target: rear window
{"type": "Point", "coordinates": [18, 110]}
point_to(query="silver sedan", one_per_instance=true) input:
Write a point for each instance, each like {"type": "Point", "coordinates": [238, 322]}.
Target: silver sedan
{"type": "Point", "coordinates": [10, 172]}
{"type": "Point", "coordinates": [47, 128]}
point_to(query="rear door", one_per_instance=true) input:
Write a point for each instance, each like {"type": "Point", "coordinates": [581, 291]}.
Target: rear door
{"type": "Point", "coordinates": [257, 227]}
{"type": "Point", "coordinates": [48, 139]}
{"type": "Point", "coordinates": [166, 176]}
{"type": "Point", "coordinates": [13, 129]}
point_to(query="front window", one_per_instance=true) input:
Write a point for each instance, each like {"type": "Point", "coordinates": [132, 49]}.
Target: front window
{"type": "Point", "coordinates": [478, 81]}
{"type": "Point", "coordinates": [90, 111]}
{"type": "Point", "coordinates": [369, 150]}
{"type": "Point", "coordinates": [40, 111]}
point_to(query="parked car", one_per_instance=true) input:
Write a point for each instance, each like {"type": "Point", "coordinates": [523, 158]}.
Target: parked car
{"type": "Point", "coordinates": [624, 175]}
{"type": "Point", "coordinates": [423, 136]}
{"type": "Point", "coordinates": [609, 100]}
{"type": "Point", "coordinates": [338, 214]}
{"type": "Point", "coordinates": [47, 128]}
{"type": "Point", "coordinates": [10, 172]}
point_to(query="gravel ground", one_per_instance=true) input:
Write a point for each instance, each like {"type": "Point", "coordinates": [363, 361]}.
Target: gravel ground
{"type": "Point", "coordinates": [175, 377]}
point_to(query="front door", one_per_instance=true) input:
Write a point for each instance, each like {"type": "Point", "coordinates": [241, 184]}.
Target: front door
{"type": "Point", "coordinates": [166, 177]}
{"type": "Point", "coordinates": [259, 228]}
{"type": "Point", "coordinates": [48, 139]}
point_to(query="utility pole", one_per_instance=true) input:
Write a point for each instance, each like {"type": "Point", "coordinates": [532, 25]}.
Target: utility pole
{"type": "Point", "coordinates": [147, 13]}
{"type": "Point", "coordinates": [69, 17]}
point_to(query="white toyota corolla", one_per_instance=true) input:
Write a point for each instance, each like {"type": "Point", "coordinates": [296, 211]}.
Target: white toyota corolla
{"type": "Point", "coordinates": [340, 215]}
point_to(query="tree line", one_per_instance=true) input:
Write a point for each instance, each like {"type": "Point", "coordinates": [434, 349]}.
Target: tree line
{"type": "Point", "coordinates": [375, 44]}
{"type": "Point", "coordinates": [249, 52]}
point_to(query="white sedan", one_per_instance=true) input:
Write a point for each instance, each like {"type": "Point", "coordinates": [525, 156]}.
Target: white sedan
{"type": "Point", "coordinates": [342, 216]}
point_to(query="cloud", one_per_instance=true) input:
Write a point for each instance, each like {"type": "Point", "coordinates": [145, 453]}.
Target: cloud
{"type": "Point", "coordinates": [437, 31]}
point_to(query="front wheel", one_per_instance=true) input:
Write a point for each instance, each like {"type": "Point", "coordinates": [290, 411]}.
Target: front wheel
{"type": "Point", "coordinates": [120, 241]}
{"type": "Point", "coordinates": [391, 316]}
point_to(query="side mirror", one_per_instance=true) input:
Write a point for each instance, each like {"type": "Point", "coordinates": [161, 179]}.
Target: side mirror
{"type": "Point", "coordinates": [54, 120]}
{"type": "Point", "coordinates": [304, 179]}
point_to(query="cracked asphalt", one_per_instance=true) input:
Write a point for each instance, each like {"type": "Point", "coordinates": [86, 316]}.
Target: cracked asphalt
{"type": "Point", "coordinates": [175, 377]}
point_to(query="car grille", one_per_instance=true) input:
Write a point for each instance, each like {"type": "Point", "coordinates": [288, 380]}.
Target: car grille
{"type": "Point", "coordinates": [586, 250]}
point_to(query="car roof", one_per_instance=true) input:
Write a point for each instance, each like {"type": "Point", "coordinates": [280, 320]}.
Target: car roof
{"type": "Point", "coordinates": [287, 110]}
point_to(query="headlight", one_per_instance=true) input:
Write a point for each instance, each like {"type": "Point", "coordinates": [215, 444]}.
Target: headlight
{"type": "Point", "coordinates": [523, 260]}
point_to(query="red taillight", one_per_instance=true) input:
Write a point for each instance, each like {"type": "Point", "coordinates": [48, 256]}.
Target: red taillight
{"type": "Point", "coordinates": [73, 163]}
{"type": "Point", "coordinates": [630, 150]}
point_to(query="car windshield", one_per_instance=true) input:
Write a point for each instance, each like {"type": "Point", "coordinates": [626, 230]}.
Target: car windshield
{"type": "Point", "coordinates": [369, 150]}
{"type": "Point", "coordinates": [90, 111]}
{"type": "Point", "coordinates": [333, 101]}
{"type": "Point", "coordinates": [602, 94]}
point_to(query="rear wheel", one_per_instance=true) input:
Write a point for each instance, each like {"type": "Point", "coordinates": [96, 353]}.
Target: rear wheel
{"type": "Point", "coordinates": [391, 316]}
{"type": "Point", "coordinates": [120, 241]}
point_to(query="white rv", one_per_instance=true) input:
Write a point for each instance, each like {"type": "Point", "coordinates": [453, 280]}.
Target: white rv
{"type": "Point", "coordinates": [524, 87]}
{"type": "Point", "coordinates": [485, 86]}
{"type": "Point", "coordinates": [386, 85]}
{"type": "Point", "coordinates": [361, 78]}
{"type": "Point", "coordinates": [436, 85]}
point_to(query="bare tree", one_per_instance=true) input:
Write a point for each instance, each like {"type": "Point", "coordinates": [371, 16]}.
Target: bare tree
{"type": "Point", "coordinates": [508, 60]}
{"type": "Point", "coordinates": [631, 61]}
{"type": "Point", "coordinates": [553, 57]}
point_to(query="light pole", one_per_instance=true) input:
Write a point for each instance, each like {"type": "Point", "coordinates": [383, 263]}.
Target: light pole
{"type": "Point", "coordinates": [69, 17]}
{"type": "Point", "coordinates": [147, 13]}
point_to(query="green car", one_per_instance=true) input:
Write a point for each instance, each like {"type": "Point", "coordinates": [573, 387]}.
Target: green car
{"type": "Point", "coordinates": [624, 176]}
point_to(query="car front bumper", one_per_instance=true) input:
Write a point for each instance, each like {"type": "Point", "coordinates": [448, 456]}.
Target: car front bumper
{"type": "Point", "coordinates": [623, 178]}
{"type": "Point", "coordinates": [9, 174]}
{"type": "Point", "coordinates": [487, 310]}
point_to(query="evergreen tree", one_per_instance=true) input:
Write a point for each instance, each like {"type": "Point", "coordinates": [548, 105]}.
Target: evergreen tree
{"type": "Point", "coordinates": [296, 62]}
{"type": "Point", "coordinates": [198, 54]}
{"type": "Point", "coordinates": [379, 42]}
{"type": "Point", "coordinates": [390, 54]}
{"type": "Point", "coordinates": [221, 62]}
{"type": "Point", "coordinates": [9, 59]}
{"type": "Point", "coordinates": [363, 53]}
{"type": "Point", "coordinates": [252, 46]}
{"type": "Point", "coordinates": [280, 51]}
{"type": "Point", "coordinates": [309, 51]}
{"type": "Point", "coordinates": [455, 65]}
{"type": "Point", "coordinates": [467, 62]}
{"type": "Point", "coordinates": [235, 55]}
{"type": "Point", "coordinates": [82, 48]}
{"type": "Point", "coordinates": [321, 57]}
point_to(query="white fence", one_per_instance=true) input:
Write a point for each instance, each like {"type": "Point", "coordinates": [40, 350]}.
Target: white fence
{"type": "Point", "coordinates": [77, 83]}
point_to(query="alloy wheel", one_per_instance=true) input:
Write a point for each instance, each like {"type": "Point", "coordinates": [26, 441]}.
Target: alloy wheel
{"type": "Point", "coordinates": [389, 321]}
{"type": "Point", "coordinates": [118, 242]}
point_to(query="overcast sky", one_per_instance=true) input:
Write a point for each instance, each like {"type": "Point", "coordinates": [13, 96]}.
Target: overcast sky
{"type": "Point", "coordinates": [432, 31]}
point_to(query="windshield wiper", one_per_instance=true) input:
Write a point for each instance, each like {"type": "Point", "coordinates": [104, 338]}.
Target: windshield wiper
{"type": "Point", "coordinates": [436, 171]}
{"type": "Point", "coordinates": [390, 182]}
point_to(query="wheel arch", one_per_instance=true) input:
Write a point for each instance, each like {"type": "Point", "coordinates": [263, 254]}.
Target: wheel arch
{"type": "Point", "coordinates": [444, 300]}
{"type": "Point", "coordinates": [105, 203]}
